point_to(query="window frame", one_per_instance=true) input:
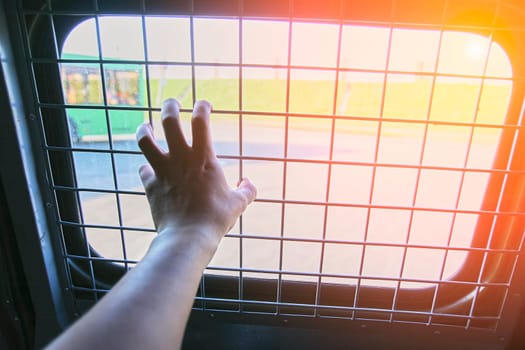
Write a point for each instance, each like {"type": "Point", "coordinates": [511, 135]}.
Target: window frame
{"type": "Point", "coordinates": [41, 31]}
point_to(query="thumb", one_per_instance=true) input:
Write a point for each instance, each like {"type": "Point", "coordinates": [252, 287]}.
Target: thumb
{"type": "Point", "coordinates": [246, 189]}
{"type": "Point", "coordinates": [146, 174]}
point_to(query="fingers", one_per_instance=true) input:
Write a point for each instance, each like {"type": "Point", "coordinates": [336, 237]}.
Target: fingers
{"type": "Point", "coordinates": [247, 191]}
{"type": "Point", "coordinates": [172, 128]}
{"type": "Point", "coordinates": [202, 143]}
{"type": "Point", "coordinates": [149, 147]}
{"type": "Point", "coordinates": [200, 126]}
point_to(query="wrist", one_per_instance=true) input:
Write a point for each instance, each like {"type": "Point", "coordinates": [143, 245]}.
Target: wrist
{"type": "Point", "coordinates": [196, 238]}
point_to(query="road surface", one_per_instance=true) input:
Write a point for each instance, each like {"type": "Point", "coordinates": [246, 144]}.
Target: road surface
{"type": "Point", "coordinates": [308, 182]}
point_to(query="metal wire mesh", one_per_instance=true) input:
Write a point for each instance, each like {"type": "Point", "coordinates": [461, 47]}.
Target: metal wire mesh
{"type": "Point", "coordinates": [364, 190]}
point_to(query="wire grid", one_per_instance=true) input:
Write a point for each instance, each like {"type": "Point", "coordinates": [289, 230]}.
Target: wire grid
{"type": "Point", "coordinates": [356, 287]}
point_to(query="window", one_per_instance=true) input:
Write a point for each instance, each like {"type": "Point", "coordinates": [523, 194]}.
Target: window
{"type": "Point", "coordinates": [384, 153]}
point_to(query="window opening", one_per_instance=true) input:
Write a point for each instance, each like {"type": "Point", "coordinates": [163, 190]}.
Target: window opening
{"type": "Point", "coordinates": [371, 147]}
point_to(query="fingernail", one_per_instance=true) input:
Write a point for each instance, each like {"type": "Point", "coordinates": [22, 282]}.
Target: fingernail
{"type": "Point", "coordinates": [145, 171]}
{"type": "Point", "coordinates": [170, 108]}
{"type": "Point", "coordinates": [142, 131]}
{"type": "Point", "coordinates": [142, 168]}
{"type": "Point", "coordinates": [202, 107]}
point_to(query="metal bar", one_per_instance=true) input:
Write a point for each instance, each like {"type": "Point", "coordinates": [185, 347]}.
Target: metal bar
{"type": "Point", "coordinates": [500, 199]}
{"type": "Point", "coordinates": [280, 66]}
{"type": "Point", "coordinates": [110, 137]}
{"type": "Point", "coordinates": [511, 278]}
{"type": "Point", "coordinates": [241, 172]}
{"type": "Point", "coordinates": [469, 147]}
{"type": "Point", "coordinates": [372, 206]}
{"type": "Point", "coordinates": [498, 207]}
{"type": "Point", "coordinates": [308, 240]}
{"type": "Point", "coordinates": [146, 65]}
{"type": "Point", "coordinates": [330, 158]}
{"type": "Point", "coordinates": [194, 99]}
{"type": "Point", "coordinates": [372, 23]}
{"type": "Point", "coordinates": [326, 307]}
{"type": "Point", "coordinates": [142, 193]}
{"type": "Point", "coordinates": [51, 179]}
{"type": "Point", "coordinates": [193, 63]}
{"type": "Point", "coordinates": [376, 154]}
{"type": "Point", "coordinates": [97, 190]}
{"type": "Point", "coordinates": [311, 116]}
{"type": "Point", "coordinates": [366, 206]}
{"type": "Point", "coordinates": [285, 154]}
{"type": "Point", "coordinates": [306, 274]}
{"type": "Point", "coordinates": [300, 160]}
{"type": "Point", "coordinates": [84, 240]}
{"type": "Point", "coordinates": [63, 245]}
{"type": "Point", "coordinates": [420, 162]}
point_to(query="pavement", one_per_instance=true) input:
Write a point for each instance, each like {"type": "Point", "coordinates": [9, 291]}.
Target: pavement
{"type": "Point", "coordinates": [308, 182]}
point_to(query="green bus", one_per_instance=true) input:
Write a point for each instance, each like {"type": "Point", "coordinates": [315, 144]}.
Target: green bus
{"type": "Point", "coordinates": [82, 85]}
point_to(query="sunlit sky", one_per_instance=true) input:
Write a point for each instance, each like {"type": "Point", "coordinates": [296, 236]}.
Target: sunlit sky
{"type": "Point", "coordinates": [266, 42]}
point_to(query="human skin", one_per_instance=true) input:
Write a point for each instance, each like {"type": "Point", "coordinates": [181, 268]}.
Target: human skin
{"type": "Point", "coordinates": [193, 207]}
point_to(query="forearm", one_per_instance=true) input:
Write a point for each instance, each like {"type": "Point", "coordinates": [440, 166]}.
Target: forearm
{"type": "Point", "coordinates": [149, 307]}
{"type": "Point", "coordinates": [193, 206]}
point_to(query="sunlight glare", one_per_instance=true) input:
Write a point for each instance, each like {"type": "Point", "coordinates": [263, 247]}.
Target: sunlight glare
{"type": "Point", "coordinates": [475, 50]}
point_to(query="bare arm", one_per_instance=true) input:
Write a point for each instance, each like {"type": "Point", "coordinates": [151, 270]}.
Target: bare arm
{"type": "Point", "coordinates": [192, 207]}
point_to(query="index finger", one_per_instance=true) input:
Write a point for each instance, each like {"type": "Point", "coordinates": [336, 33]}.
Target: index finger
{"type": "Point", "coordinates": [148, 146]}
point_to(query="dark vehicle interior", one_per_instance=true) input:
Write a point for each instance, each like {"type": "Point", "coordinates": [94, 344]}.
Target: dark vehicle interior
{"type": "Point", "coordinates": [386, 139]}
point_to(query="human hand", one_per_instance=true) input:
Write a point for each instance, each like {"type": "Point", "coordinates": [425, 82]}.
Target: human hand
{"type": "Point", "coordinates": [186, 187]}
